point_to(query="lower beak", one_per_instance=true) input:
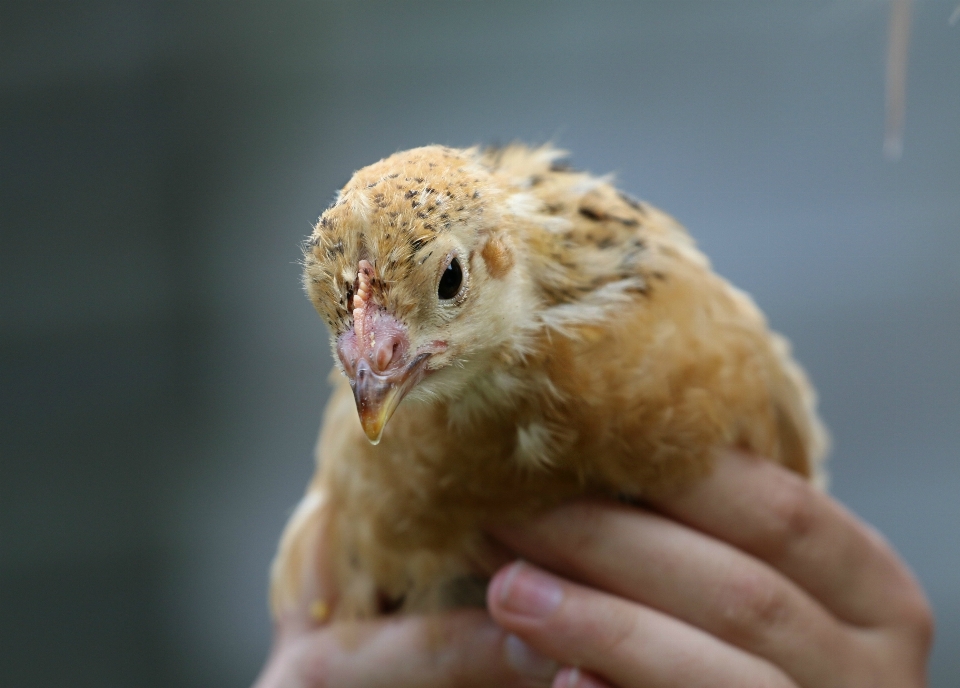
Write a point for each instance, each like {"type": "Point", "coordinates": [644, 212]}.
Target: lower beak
{"type": "Point", "coordinates": [378, 396]}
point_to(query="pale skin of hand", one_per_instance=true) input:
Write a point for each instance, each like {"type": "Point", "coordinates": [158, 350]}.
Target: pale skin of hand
{"type": "Point", "coordinates": [750, 578]}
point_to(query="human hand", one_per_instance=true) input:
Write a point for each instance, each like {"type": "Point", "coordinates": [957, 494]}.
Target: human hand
{"type": "Point", "coordinates": [749, 578]}
{"type": "Point", "coordinates": [459, 648]}
{"type": "Point", "coordinates": [456, 649]}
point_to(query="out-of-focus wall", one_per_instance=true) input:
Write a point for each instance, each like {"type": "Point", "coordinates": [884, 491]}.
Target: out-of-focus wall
{"type": "Point", "coordinates": [162, 376]}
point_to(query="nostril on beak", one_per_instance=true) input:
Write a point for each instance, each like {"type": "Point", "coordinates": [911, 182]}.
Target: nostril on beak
{"type": "Point", "coordinates": [385, 352]}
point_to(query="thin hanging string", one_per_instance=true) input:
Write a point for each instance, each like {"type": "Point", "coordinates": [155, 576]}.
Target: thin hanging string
{"type": "Point", "coordinates": [897, 46]}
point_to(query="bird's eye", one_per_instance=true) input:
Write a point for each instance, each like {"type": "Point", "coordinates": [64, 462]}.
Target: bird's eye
{"type": "Point", "coordinates": [450, 281]}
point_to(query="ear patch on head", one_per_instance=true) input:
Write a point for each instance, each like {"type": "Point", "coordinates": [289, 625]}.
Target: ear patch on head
{"type": "Point", "coordinates": [498, 258]}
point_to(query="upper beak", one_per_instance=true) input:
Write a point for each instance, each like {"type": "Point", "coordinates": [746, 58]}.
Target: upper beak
{"type": "Point", "coordinates": [378, 395]}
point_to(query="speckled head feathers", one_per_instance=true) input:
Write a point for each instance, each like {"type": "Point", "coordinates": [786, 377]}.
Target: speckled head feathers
{"type": "Point", "coordinates": [395, 213]}
{"type": "Point", "coordinates": [540, 246]}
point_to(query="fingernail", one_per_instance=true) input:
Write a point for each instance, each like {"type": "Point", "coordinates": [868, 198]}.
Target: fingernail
{"type": "Point", "coordinates": [571, 677]}
{"type": "Point", "coordinates": [527, 591]}
{"type": "Point", "coordinates": [567, 678]}
{"type": "Point", "coordinates": [528, 662]}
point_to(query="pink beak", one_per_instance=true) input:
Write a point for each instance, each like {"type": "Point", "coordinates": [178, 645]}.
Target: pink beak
{"type": "Point", "coordinates": [380, 369]}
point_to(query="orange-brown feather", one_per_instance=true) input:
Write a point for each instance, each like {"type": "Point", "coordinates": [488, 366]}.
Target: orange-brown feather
{"type": "Point", "coordinates": [630, 364]}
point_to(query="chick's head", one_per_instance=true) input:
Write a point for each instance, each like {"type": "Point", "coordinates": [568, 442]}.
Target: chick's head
{"type": "Point", "coordinates": [416, 277]}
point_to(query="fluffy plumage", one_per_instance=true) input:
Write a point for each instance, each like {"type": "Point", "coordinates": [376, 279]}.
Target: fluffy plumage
{"type": "Point", "coordinates": [590, 350]}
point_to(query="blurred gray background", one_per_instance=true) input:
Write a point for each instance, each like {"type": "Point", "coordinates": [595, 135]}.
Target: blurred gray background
{"type": "Point", "coordinates": [162, 376]}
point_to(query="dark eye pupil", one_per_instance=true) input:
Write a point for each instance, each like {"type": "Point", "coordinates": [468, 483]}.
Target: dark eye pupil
{"type": "Point", "coordinates": [450, 281]}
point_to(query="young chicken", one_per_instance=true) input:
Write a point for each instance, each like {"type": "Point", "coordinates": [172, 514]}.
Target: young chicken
{"type": "Point", "coordinates": [513, 334]}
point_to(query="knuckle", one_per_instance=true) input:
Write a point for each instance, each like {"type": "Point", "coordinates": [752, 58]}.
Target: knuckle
{"type": "Point", "coordinates": [446, 660]}
{"type": "Point", "coordinates": [455, 667]}
{"type": "Point", "coordinates": [579, 526]}
{"type": "Point", "coordinates": [310, 667]}
{"type": "Point", "coordinates": [458, 653]}
{"type": "Point", "coordinates": [453, 672]}
{"type": "Point", "coordinates": [618, 630]}
{"type": "Point", "coordinates": [750, 605]}
{"type": "Point", "coordinates": [779, 680]}
{"type": "Point", "coordinates": [920, 620]}
{"type": "Point", "coordinates": [793, 510]}
{"type": "Point", "coordinates": [772, 677]}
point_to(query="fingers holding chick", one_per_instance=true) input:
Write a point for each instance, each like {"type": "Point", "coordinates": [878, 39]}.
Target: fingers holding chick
{"type": "Point", "coordinates": [625, 644]}
{"type": "Point", "coordinates": [462, 649]}
{"type": "Point", "coordinates": [729, 573]}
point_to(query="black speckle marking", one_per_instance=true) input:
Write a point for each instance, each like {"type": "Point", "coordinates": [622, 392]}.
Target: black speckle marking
{"type": "Point", "coordinates": [560, 166]}
{"type": "Point", "coordinates": [476, 195]}
{"type": "Point", "coordinates": [554, 208]}
{"type": "Point", "coordinates": [387, 605]}
{"type": "Point", "coordinates": [599, 216]}
{"type": "Point", "coordinates": [418, 243]}
{"type": "Point", "coordinates": [393, 176]}
{"type": "Point", "coordinates": [410, 193]}
{"type": "Point", "coordinates": [424, 260]}
{"type": "Point", "coordinates": [634, 203]}
{"type": "Point", "coordinates": [605, 243]}
{"type": "Point", "coordinates": [591, 214]}
{"type": "Point", "coordinates": [419, 180]}
{"type": "Point", "coordinates": [414, 204]}
{"type": "Point", "coordinates": [373, 184]}
{"type": "Point", "coordinates": [422, 215]}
